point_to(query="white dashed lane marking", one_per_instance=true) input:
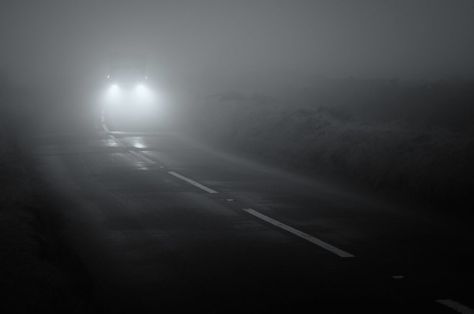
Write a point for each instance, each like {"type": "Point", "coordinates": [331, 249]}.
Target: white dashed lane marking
{"type": "Point", "coordinates": [301, 234]}
{"type": "Point", "coordinates": [192, 182]}
{"type": "Point", "coordinates": [456, 306]}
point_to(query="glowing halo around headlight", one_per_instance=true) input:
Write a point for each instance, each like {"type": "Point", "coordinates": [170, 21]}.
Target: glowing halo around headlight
{"type": "Point", "coordinates": [114, 88]}
{"type": "Point", "coordinates": [131, 100]}
{"type": "Point", "coordinates": [143, 94]}
{"type": "Point", "coordinates": [132, 103]}
{"type": "Point", "coordinates": [113, 94]}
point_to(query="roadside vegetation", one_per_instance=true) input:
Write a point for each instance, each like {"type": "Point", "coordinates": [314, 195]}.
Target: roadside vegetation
{"type": "Point", "coordinates": [412, 139]}
{"type": "Point", "coordinates": [37, 272]}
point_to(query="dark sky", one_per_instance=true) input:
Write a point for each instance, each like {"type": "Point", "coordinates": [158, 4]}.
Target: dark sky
{"type": "Point", "coordinates": [222, 42]}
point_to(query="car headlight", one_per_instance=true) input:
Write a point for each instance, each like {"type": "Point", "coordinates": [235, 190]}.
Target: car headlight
{"type": "Point", "coordinates": [113, 93]}
{"type": "Point", "coordinates": [142, 93]}
{"type": "Point", "coordinates": [114, 88]}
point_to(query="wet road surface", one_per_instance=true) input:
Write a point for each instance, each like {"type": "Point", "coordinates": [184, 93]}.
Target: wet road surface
{"type": "Point", "coordinates": [164, 224]}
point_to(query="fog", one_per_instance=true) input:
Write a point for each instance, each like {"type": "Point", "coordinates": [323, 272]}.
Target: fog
{"type": "Point", "coordinates": [236, 156]}
{"type": "Point", "coordinates": [215, 45]}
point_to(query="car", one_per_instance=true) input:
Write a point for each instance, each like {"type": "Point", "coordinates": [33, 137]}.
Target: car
{"type": "Point", "coordinates": [129, 101]}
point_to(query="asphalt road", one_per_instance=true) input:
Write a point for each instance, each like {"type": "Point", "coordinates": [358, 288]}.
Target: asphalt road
{"type": "Point", "coordinates": [164, 224]}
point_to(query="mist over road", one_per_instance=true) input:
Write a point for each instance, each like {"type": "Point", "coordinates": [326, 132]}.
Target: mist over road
{"type": "Point", "coordinates": [293, 156]}
{"type": "Point", "coordinates": [163, 223]}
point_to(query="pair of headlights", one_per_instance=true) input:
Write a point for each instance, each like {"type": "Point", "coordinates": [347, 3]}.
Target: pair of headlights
{"type": "Point", "coordinates": [139, 93]}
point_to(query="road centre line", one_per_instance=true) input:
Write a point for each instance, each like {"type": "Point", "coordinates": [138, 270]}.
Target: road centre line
{"type": "Point", "coordinates": [301, 234]}
{"type": "Point", "coordinates": [453, 305]}
{"type": "Point", "coordinates": [192, 182]}
{"type": "Point", "coordinates": [456, 306]}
